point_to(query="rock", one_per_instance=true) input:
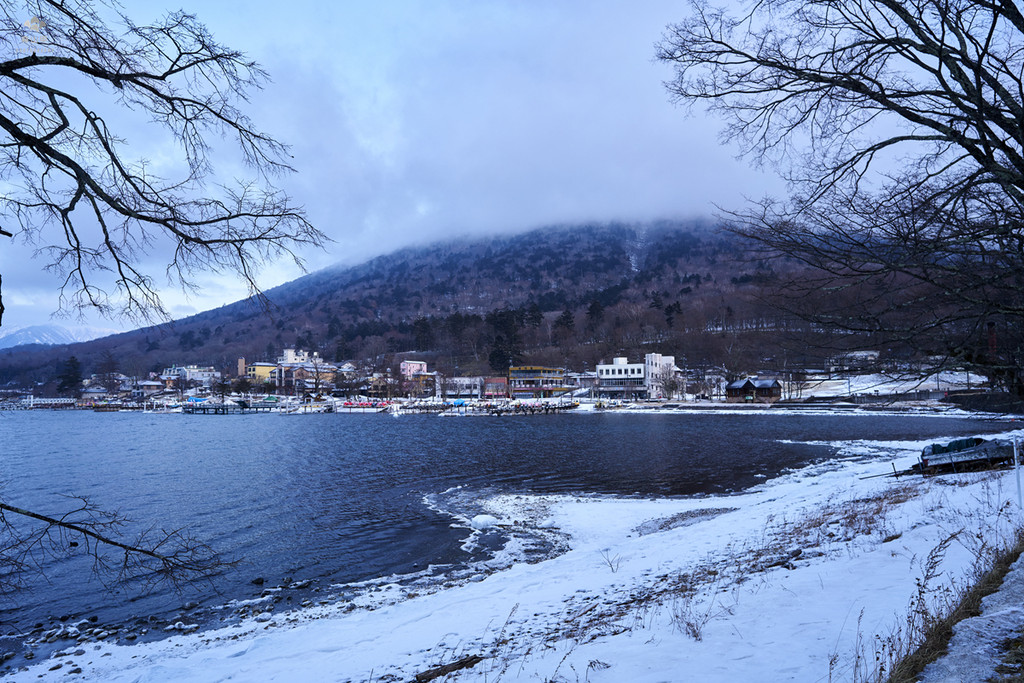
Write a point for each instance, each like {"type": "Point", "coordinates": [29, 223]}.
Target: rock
{"type": "Point", "coordinates": [263, 617]}
{"type": "Point", "coordinates": [258, 581]}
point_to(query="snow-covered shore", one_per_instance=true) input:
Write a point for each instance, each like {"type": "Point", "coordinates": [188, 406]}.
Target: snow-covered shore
{"type": "Point", "coordinates": [814, 576]}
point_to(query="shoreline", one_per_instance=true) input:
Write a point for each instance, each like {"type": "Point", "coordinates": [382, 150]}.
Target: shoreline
{"type": "Point", "coordinates": [647, 585]}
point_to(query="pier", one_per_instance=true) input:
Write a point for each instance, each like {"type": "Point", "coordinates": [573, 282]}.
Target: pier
{"type": "Point", "coordinates": [235, 408]}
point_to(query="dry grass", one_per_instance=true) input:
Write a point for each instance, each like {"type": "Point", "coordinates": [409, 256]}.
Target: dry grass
{"type": "Point", "coordinates": [935, 638]}
{"type": "Point", "coordinates": [1011, 669]}
{"type": "Point", "coordinates": [693, 598]}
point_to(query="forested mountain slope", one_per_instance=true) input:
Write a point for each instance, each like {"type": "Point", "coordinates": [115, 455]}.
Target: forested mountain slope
{"type": "Point", "coordinates": [566, 295]}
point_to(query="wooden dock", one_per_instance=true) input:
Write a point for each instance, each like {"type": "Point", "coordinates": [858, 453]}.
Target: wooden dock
{"type": "Point", "coordinates": [243, 408]}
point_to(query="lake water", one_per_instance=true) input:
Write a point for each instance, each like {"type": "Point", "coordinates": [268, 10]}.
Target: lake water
{"type": "Point", "coordinates": [338, 499]}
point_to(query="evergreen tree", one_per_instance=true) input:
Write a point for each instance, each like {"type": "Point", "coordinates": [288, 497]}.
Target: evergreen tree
{"type": "Point", "coordinates": [70, 378]}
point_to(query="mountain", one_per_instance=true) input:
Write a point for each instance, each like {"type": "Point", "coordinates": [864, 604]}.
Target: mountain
{"type": "Point", "coordinates": [570, 296]}
{"type": "Point", "coordinates": [50, 335]}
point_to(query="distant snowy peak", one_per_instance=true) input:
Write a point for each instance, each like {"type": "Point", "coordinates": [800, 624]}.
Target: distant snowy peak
{"type": "Point", "coordinates": [50, 335]}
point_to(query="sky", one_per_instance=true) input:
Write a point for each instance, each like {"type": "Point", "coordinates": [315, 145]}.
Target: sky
{"type": "Point", "coordinates": [412, 122]}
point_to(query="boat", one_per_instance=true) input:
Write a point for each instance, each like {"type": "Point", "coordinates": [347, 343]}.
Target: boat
{"type": "Point", "coordinates": [969, 453]}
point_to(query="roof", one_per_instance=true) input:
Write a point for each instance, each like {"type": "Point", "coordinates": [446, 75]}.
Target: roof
{"type": "Point", "coordinates": [755, 383]}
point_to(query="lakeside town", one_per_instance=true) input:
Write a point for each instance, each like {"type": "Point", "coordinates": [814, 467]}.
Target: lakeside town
{"type": "Point", "coordinates": [302, 381]}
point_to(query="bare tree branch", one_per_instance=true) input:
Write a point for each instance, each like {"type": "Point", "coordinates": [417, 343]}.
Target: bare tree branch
{"type": "Point", "coordinates": [153, 557]}
{"type": "Point", "coordinates": [94, 211]}
{"type": "Point", "coordinates": [900, 126]}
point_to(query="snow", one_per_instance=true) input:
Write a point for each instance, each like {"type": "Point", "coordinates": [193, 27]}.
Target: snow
{"type": "Point", "coordinates": [484, 522]}
{"type": "Point", "coordinates": [974, 648]}
{"type": "Point", "coordinates": [814, 576]}
{"type": "Point", "coordinates": [872, 383]}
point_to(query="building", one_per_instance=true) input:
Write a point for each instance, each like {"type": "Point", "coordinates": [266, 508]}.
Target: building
{"type": "Point", "coordinates": [293, 357]}
{"type": "Point", "coordinates": [751, 390]}
{"type": "Point", "coordinates": [495, 388]}
{"type": "Point", "coordinates": [146, 388]}
{"type": "Point", "coordinates": [200, 374]}
{"type": "Point", "coordinates": [296, 370]}
{"type": "Point", "coordinates": [581, 380]}
{"type": "Point", "coordinates": [315, 375]}
{"type": "Point", "coordinates": [652, 379]}
{"type": "Point", "coordinates": [259, 373]}
{"type": "Point", "coordinates": [410, 368]}
{"type": "Point", "coordinates": [621, 379]}
{"type": "Point", "coordinates": [462, 387]}
{"type": "Point", "coordinates": [534, 381]}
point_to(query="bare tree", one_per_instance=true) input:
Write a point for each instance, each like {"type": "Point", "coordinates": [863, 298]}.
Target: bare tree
{"type": "Point", "coordinates": [321, 372]}
{"type": "Point", "coordinates": [73, 71]}
{"type": "Point", "coordinates": [29, 539]}
{"type": "Point", "coordinates": [899, 125]}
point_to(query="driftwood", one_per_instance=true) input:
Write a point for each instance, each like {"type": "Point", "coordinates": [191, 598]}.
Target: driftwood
{"type": "Point", "coordinates": [438, 671]}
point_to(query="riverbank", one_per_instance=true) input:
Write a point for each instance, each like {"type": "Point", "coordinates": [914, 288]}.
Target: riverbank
{"type": "Point", "coordinates": [817, 575]}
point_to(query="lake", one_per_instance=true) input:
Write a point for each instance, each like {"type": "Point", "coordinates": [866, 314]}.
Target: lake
{"type": "Point", "coordinates": [339, 499]}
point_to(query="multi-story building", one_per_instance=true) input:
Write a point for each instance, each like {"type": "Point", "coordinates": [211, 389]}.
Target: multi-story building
{"type": "Point", "coordinates": [651, 379]}
{"type": "Point", "coordinates": [495, 388]}
{"type": "Point", "coordinates": [294, 357]}
{"type": "Point", "coordinates": [534, 381]}
{"type": "Point", "coordinates": [201, 374]}
{"type": "Point", "coordinates": [461, 387]}
{"type": "Point", "coordinates": [660, 374]}
{"type": "Point", "coordinates": [408, 368]}
{"type": "Point", "coordinates": [259, 373]}
{"type": "Point", "coordinates": [621, 379]}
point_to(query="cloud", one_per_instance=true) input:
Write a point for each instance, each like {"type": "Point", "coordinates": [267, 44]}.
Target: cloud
{"type": "Point", "coordinates": [413, 121]}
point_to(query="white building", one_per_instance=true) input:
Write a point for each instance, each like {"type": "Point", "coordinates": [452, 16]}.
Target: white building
{"type": "Point", "coordinates": [294, 357]}
{"type": "Point", "coordinates": [632, 381]}
{"type": "Point", "coordinates": [204, 375]}
{"type": "Point", "coordinates": [461, 387]}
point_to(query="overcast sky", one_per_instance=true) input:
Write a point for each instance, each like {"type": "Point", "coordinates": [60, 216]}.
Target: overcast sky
{"type": "Point", "coordinates": [416, 121]}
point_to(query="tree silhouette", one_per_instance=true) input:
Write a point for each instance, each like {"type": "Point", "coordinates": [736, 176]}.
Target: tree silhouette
{"type": "Point", "coordinates": [899, 125]}
{"type": "Point", "coordinates": [73, 71]}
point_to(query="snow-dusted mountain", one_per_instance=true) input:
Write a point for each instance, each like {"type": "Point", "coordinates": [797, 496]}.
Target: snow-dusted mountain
{"type": "Point", "coordinates": [50, 335]}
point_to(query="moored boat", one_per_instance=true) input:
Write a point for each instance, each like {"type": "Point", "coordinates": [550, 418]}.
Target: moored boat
{"type": "Point", "coordinates": [969, 453]}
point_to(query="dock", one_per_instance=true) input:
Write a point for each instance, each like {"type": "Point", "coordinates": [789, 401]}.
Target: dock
{"type": "Point", "coordinates": [234, 408]}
